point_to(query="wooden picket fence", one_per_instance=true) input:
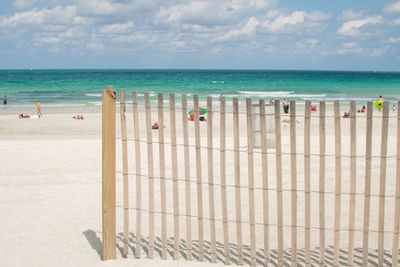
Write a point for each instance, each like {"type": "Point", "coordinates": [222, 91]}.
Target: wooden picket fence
{"type": "Point", "coordinates": [135, 239]}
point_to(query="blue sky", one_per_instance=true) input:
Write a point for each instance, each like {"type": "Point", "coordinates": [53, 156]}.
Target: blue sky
{"type": "Point", "coordinates": [232, 34]}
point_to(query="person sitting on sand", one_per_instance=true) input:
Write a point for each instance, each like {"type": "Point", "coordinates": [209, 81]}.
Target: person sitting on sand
{"type": "Point", "coordinates": [78, 117]}
{"type": "Point", "coordinates": [362, 110]}
{"type": "Point", "coordinates": [39, 109]}
{"type": "Point", "coordinates": [191, 117]}
{"type": "Point", "coordinates": [155, 126]}
{"type": "Point", "coordinates": [23, 116]}
{"type": "Point", "coordinates": [346, 114]}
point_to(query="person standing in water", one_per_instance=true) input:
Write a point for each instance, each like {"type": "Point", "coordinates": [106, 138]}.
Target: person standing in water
{"type": "Point", "coordinates": [5, 100]}
{"type": "Point", "coordinates": [39, 109]}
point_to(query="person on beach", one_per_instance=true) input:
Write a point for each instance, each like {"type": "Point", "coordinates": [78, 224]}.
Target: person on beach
{"type": "Point", "coordinates": [394, 107]}
{"type": "Point", "coordinates": [5, 100]}
{"type": "Point", "coordinates": [362, 110]}
{"type": "Point", "coordinates": [379, 103]}
{"type": "Point", "coordinates": [39, 109]}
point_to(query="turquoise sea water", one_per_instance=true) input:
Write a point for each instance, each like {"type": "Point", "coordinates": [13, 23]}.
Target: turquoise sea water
{"type": "Point", "coordinates": [84, 87]}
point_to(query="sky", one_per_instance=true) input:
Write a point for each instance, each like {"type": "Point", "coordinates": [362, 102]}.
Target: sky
{"type": "Point", "coordinates": [200, 34]}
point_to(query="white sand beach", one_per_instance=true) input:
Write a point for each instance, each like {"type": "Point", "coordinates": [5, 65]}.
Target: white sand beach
{"type": "Point", "coordinates": [50, 189]}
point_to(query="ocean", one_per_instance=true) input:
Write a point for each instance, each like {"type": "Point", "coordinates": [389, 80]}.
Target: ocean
{"type": "Point", "coordinates": [58, 88]}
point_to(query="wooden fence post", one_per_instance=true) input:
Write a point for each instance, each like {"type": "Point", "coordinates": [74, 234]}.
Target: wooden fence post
{"type": "Point", "coordinates": [223, 180]}
{"type": "Point", "coordinates": [397, 196]}
{"type": "Point", "coordinates": [199, 178]}
{"type": "Point", "coordinates": [307, 195]}
{"type": "Point", "coordinates": [352, 206]}
{"type": "Point", "coordinates": [150, 173]}
{"type": "Point", "coordinates": [138, 176]}
{"type": "Point", "coordinates": [264, 167]}
{"type": "Point", "coordinates": [382, 181]}
{"type": "Point", "coordinates": [338, 180]}
{"type": "Point", "coordinates": [367, 198]}
{"type": "Point", "coordinates": [125, 170]}
{"type": "Point", "coordinates": [293, 172]}
{"type": "Point", "coordinates": [210, 163]}
{"type": "Point", "coordinates": [162, 176]}
{"type": "Point", "coordinates": [279, 207]}
{"type": "Point", "coordinates": [322, 183]}
{"type": "Point", "coordinates": [187, 178]}
{"type": "Point", "coordinates": [236, 145]}
{"type": "Point", "coordinates": [108, 173]}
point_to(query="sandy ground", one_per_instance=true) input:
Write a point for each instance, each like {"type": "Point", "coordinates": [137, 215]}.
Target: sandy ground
{"type": "Point", "coordinates": [50, 190]}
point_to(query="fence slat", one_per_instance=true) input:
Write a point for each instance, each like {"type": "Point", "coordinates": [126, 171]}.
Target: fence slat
{"type": "Point", "coordinates": [138, 176]}
{"type": "Point", "coordinates": [338, 178]}
{"type": "Point", "coordinates": [188, 193]}
{"type": "Point", "coordinates": [210, 163]}
{"type": "Point", "coordinates": [125, 171]}
{"type": "Point", "coordinates": [367, 191]}
{"type": "Point", "coordinates": [250, 158]}
{"type": "Point", "coordinates": [108, 175]}
{"type": "Point", "coordinates": [237, 179]}
{"type": "Point", "coordinates": [307, 199]}
{"type": "Point", "coordinates": [278, 155]}
{"type": "Point", "coordinates": [174, 160]}
{"type": "Point", "coordinates": [150, 173]}
{"type": "Point", "coordinates": [199, 178]}
{"type": "Point", "coordinates": [293, 172]}
{"type": "Point", "coordinates": [264, 167]}
{"type": "Point", "coordinates": [322, 183]}
{"type": "Point", "coordinates": [382, 182]}
{"type": "Point", "coordinates": [352, 206]}
{"type": "Point", "coordinates": [397, 199]}
{"type": "Point", "coordinates": [162, 175]}
{"type": "Point", "coordinates": [223, 180]}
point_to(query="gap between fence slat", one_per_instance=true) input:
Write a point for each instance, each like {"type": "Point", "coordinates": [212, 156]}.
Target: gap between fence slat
{"type": "Point", "coordinates": [199, 177]}
{"type": "Point", "coordinates": [322, 142]}
{"type": "Point", "coordinates": [307, 199]}
{"type": "Point", "coordinates": [264, 166]}
{"type": "Point", "coordinates": [397, 197]}
{"type": "Point", "coordinates": [293, 172]}
{"type": "Point", "coordinates": [151, 174]}
{"type": "Point", "coordinates": [174, 161]}
{"type": "Point", "coordinates": [162, 175]}
{"type": "Point", "coordinates": [279, 181]}
{"type": "Point", "coordinates": [367, 190]}
{"type": "Point", "coordinates": [223, 180]}
{"type": "Point", "coordinates": [237, 179]}
{"type": "Point", "coordinates": [382, 182]}
{"type": "Point", "coordinates": [210, 163]}
{"type": "Point", "coordinates": [352, 205]}
{"type": "Point", "coordinates": [125, 171]}
{"type": "Point", "coordinates": [138, 176]}
{"type": "Point", "coordinates": [188, 193]}
{"type": "Point", "coordinates": [338, 178]}
{"type": "Point", "coordinates": [250, 158]}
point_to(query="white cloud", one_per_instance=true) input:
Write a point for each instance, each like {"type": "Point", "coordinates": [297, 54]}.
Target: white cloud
{"type": "Point", "coordinates": [350, 48]}
{"type": "Point", "coordinates": [117, 28]}
{"type": "Point", "coordinates": [44, 17]}
{"type": "Point", "coordinates": [357, 28]}
{"type": "Point", "coordinates": [394, 40]}
{"type": "Point", "coordinates": [25, 4]}
{"type": "Point", "coordinates": [396, 22]}
{"type": "Point", "coordinates": [247, 30]}
{"type": "Point", "coordinates": [392, 7]}
{"type": "Point", "coordinates": [279, 22]}
{"type": "Point", "coordinates": [47, 40]}
{"type": "Point", "coordinates": [380, 51]}
{"type": "Point", "coordinates": [95, 46]}
{"type": "Point", "coordinates": [351, 14]}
